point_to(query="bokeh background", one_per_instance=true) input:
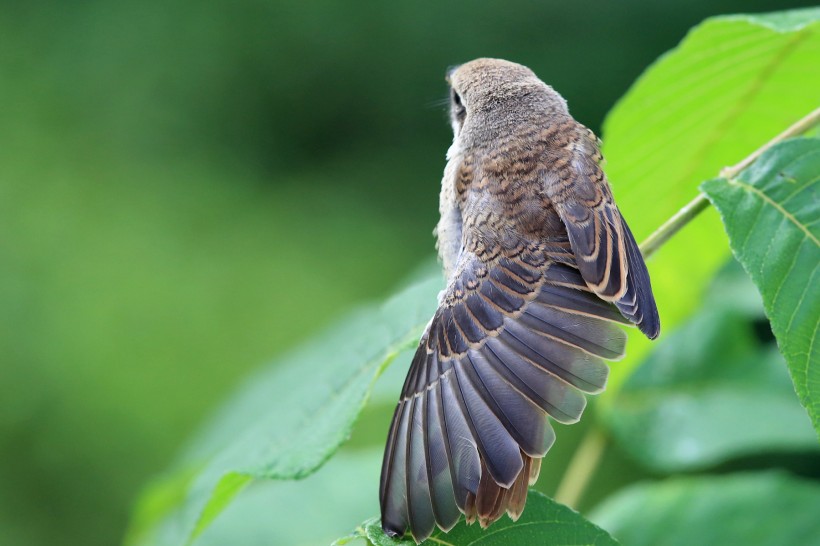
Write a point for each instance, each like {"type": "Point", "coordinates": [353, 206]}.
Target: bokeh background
{"type": "Point", "coordinates": [189, 188]}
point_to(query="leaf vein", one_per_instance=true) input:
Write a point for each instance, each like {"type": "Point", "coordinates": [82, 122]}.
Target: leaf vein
{"type": "Point", "coordinates": [783, 211]}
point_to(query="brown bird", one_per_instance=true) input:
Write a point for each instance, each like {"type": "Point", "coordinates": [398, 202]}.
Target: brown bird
{"type": "Point", "coordinates": [541, 268]}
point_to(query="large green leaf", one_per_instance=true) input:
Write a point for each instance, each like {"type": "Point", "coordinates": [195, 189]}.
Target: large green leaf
{"type": "Point", "coordinates": [543, 522]}
{"type": "Point", "coordinates": [712, 390]}
{"type": "Point", "coordinates": [772, 215]}
{"type": "Point", "coordinates": [751, 509]}
{"type": "Point", "coordinates": [286, 421]}
{"type": "Point", "coordinates": [731, 85]}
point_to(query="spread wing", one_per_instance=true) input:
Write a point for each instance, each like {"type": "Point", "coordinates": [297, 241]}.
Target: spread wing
{"type": "Point", "coordinates": [605, 250]}
{"type": "Point", "coordinates": [516, 339]}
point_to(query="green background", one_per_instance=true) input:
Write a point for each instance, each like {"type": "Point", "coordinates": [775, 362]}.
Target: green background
{"type": "Point", "coordinates": [189, 188]}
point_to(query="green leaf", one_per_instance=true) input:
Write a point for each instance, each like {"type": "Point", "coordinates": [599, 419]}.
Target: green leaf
{"type": "Point", "coordinates": [544, 522]}
{"type": "Point", "coordinates": [711, 390]}
{"type": "Point", "coordinates": [287, 420]}
{"type": "Point", "coordinates": [731, 85]}
{"type": "Point", "coordinates": [771, 212]}
{"type": "Point", "coordinates": [769, 509]}
{"type": "Point", "coordinates": [315, 510]}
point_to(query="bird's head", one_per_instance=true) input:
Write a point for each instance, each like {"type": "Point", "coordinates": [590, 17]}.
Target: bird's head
{"type": "Point", "coordinates": [496, 90]}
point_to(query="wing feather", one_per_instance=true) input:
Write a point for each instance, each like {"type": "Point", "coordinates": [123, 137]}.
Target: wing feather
{"type": "Point", "coordinates": [606, 253]}
{"type": "Point", "coordinates": [506, 350]}
{"type": "Point", "coordinates": [440, 473]}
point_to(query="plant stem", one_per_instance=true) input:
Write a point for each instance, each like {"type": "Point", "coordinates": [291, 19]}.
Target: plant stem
{"type": "Point", "coordinates": [585, 461]}
{"type": "Point", "coordinates": [801, 126]}
{"type": "Point", "coordinates": [581, 468]}
{"type": "Point", "coordinates": [673, 225]}
{"type": "Point", "coordinates": [700, 202]}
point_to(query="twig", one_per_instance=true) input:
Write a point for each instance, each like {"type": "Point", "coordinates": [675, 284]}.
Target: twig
{"type": "Point", "coordinates": [699, 203]}
{"type": "Point", "coordinates": [673, 225]}
{"type": "Point", "coordinates": [800, 127]}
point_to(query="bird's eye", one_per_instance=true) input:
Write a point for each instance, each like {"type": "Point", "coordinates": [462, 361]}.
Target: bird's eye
{"type": "Point", "coordinates": [456, 97]}
{"type": "Point", "coordinates": [458, 112]}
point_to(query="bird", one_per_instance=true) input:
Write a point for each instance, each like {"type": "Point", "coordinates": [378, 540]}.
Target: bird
{"type": "Point", "coordinates": [541, 270]}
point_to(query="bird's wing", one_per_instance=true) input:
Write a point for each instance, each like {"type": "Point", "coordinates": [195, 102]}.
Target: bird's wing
{"type": "Point", "coordinates": [605, 250]}
{"type": "Point", "coordinates": [516, 338]}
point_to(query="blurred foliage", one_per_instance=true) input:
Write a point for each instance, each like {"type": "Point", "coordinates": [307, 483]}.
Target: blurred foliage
{"type": "Point", "coordinates": [189, 188]}
{"type": "Point", "coordinates": [284, 424]}
{"type": "Point", "coordinates": [765, 509]}
{"type": "Point", "coordinates": [302, 513]}
{"type": "Point", "coordinates": [691, 405]}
